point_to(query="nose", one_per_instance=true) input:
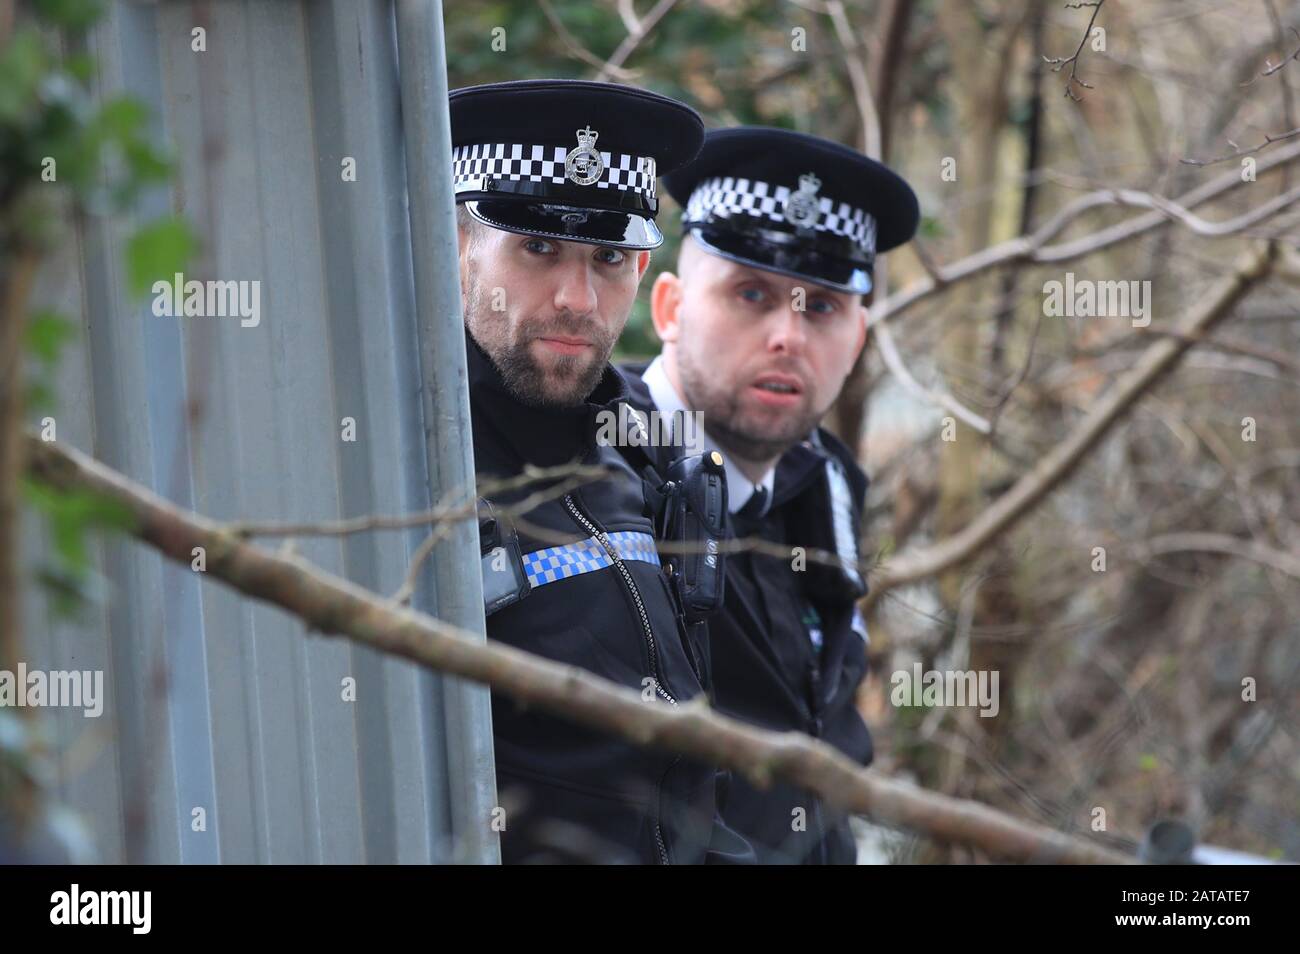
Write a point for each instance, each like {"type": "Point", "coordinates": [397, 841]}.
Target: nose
{"type": "Point", "coordinates": [575, 291]}
{"type": "Point", "coordinates": [788, 333]}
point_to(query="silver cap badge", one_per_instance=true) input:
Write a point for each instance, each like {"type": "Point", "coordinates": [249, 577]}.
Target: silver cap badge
{"type": "Point", "coordinates": [583, 164]}
{"type": "Point", "coordinates": [801, 209]}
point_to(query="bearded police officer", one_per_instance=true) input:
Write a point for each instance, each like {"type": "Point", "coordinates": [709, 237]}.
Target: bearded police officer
{"type": "Point", "coordinates": [556, 190]}
{"type": "Point", "coordinates": [760, 326]}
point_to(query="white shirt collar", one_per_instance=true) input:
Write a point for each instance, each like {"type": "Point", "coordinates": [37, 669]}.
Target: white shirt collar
{"type": "Point", "coordinates": [739, 487]}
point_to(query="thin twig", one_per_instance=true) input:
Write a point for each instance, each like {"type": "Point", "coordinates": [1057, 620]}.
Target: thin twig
{"type": "Point", "coordinates": [1057, 63]}
{"type": "Point", "coordinates": [1273, 68]}
{"type": "Point", "coordinates": [1238, 151]}
{"type": "Point", "coordinates": [461, 509]}
{"type": "Point", "coordinates": [504, 512]}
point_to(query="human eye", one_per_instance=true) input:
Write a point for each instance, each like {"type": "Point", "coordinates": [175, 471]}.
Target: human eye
{"type": "Point", "coordinates": [539, 246]}
{"type": "Point", "coordinates": [610, 256]}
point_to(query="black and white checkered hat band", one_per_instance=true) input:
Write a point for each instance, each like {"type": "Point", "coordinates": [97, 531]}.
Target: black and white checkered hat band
{"type": "Point", "coordinates": [516, 162]}
{"type": "Point", "coordinates": [724, 197]}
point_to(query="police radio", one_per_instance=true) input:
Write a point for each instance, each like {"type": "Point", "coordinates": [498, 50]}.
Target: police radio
{"type": "Point", "coordinates": [693, 523]}
{"type": "Point", "coordinates": [504, 581]}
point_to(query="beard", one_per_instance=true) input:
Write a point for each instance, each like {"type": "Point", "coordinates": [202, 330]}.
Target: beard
{"type": "Point", "coordinates": [555, 380]}
{"type": "Point", "coordinates": [744, 433]}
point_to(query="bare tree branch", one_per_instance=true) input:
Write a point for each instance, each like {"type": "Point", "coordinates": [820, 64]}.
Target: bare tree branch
{"type": "Point", "coordinates": [333, 605]}
{"type": "Point", "coordinates": [1195, 223]}
{"type": "Point", "coordinates": [1156, 361]}
{"type": "Point", "coordinates": [17, 275]}
{"type": "Point", "coordinates": [627, 13]}
{"type": "Point", "coordinates": [1217, 343]}
{"type": "Point", "coordinates": [1288, 563]}
{"type": "Point", "coordinates": [20, 788]}
{"type": "Point", "coordinates": [858, 78]}
{"type": "Point", "coordinates": [894, 362]}
{"type": "Point", "coordinates": [1033, 248]}
{"type": "Point", "coordinates": [634, 39]}
{"type": "Point", "coordinates": [579, 51]}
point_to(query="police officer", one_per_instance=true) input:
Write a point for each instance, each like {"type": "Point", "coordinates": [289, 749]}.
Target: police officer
{"type": "Point", "coordinates": [556, 189]}
{"type": "Point", "coordinates": [761, 325]}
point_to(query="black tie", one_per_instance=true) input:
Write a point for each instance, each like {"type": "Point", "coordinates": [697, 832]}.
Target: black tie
{"type": "Point", "coordinates": [754, 506]}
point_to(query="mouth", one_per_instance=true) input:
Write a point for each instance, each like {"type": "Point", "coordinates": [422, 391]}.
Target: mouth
{"type": "Point", "coordinates": [778, 390]}
{"type": "Point", "coordinates": [565, 344]}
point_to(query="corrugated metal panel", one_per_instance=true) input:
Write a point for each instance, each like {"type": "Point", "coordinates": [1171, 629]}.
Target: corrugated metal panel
{"type": "Point", "coordinates": [215, 702]}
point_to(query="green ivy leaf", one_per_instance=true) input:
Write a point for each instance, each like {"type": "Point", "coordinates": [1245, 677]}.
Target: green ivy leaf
{"type": "Point", "coordinates": [70, 515]}
{"type": "Point", "coordinates": [931, 228]}
{"type": "Point", "coordinates": [63, 590]}
{"type": "Point", "coordinates": [80, 66]}
{"type": "Point", "coordinates": [47, 332]}
{"type": "Point", "coordinates": [23, 62]}
{"type": "Point", "coordinates": [121, 118]}
{"type": "Point", "coordinates": [39, 397]}
{"type": "Point", "coordinates": [145, 162]}
{"type": "Point", "coordinates": [70, 14]}
{"type": "Point", "coordinates": [156, 252]}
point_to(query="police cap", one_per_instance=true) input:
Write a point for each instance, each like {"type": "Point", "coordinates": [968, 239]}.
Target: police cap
{"type": "Point", "coordinates": [794, 204]}
{"type": "Point", "coordinates": [568, 159]}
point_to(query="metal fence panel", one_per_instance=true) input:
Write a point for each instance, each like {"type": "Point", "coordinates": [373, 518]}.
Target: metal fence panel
{"type": "Point", "coordinates": [213, 702]}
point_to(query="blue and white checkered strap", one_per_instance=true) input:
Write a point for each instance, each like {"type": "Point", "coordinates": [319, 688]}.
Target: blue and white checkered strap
{"type": "Point", "coordinates": [571, 559]}
{"type": "Point", "coordinates": [516, 162]}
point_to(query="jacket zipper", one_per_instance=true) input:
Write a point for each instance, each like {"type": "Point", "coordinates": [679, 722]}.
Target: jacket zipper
{"type": "Point", "coordinates": [603, 539]}
{"type": "Point", "coordinates": [659, 790]}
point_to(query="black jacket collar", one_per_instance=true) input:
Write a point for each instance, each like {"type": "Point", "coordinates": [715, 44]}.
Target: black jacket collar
{"type": "Point", "coordinates": [544, 436]}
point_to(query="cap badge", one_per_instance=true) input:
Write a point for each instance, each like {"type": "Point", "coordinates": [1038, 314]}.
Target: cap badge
{"type": "Point", "coordinates": [583, 164]}
{"type": "Point", "coordinates": [801, 209]}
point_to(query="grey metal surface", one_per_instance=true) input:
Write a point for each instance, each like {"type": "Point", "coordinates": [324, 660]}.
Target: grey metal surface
{"type": "Point", "coordinates": [457, 584]}
{"type": "Point", "coordinates": [215, 703]}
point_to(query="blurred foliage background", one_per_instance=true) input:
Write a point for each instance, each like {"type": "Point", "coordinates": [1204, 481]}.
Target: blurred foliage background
{"type": "Point", "coordinates": [64, 156]}
{"type": "Point", "coordinates": [1122, 688]}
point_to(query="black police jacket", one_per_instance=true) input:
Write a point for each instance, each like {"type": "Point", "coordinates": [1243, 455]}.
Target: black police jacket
{"type": "Point", "coordinates": [595, 597]}
{"type": "Point", "coordinates": [765, 664]}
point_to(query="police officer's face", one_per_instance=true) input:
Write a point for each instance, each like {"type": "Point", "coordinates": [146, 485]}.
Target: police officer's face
{"type": "Point", "coordinates": [762, 355]}
{"type": "Point", "coordinates": [547, 312]}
